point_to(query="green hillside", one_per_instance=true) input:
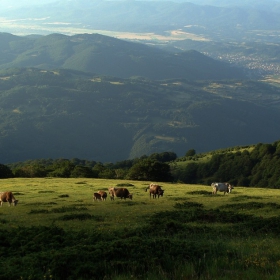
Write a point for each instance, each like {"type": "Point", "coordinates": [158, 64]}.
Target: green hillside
{"type": "Point", "coordinates": [71, 114]}
{"type": "Point", "coordinates": [61, 233]}
{"type": "Point", "coordinates": [105, 55]}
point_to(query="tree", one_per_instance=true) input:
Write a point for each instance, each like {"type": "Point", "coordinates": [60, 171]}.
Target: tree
{"type": "Point", "coordinates": [5, 172]}
{"type": "Point", "coordinates": [163, 157]}
{"type": "Point", "coordinates": [189, 174]}
{"type": "Point", "coordinates": [82, 172]}
{"type": "Point", "coordinates": [190, 153]}
{"type": "Point", "coordinates": [150, 170]}
{"type": "Point", "coordinates": [62, 168]}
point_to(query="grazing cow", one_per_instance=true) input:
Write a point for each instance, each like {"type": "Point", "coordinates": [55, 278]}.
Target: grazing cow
{"type": "Point", "coordinates": [221, 187]}
{"type": "Point", "coordinates": [8, 197]}
{"type": "Point", "coordinates": [97, 196]}
{"type": "Point", "coordinates": [119, 192]}
{"type": "Point", "coordinates": [103, 195]}
{"type": "Point", "coordinates": [155, 190]}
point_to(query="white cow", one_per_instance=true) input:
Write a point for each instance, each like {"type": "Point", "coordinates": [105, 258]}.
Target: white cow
{"type": "Point", "coordinates": [221, 187]}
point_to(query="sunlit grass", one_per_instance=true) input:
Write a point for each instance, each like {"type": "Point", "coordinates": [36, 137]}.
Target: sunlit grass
{"type": "Point", "coordinates": [40, 200]}
{"type": "Point", "coordinates": [232, 236]}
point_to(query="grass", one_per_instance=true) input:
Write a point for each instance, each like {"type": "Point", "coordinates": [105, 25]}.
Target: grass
{"type": "Point", "coordinates": [44, 197]}
{"type": "Point", "coordinates": [186, 234]}
{"type": "Point", "coordinates": [41, 196]}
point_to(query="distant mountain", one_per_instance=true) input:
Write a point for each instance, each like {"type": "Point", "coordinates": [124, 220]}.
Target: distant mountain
{"type": "Point", "coordinates": [237, 20]}
{"type": "Point", "coordinates": [236, 3]}
{"type": "Point", "coordinates": [109, 56]}
{"type": "Point", "coordinates": [71, 114]}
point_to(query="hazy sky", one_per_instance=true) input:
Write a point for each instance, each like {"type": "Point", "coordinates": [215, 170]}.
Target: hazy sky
{"type": "Point", "coordinates": [4, 4]}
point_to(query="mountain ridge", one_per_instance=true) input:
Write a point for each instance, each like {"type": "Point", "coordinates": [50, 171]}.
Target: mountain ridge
{"type": "Point", "coordinates": [159, 17]}
{"type": "Point", "coordinates": [105, 55]}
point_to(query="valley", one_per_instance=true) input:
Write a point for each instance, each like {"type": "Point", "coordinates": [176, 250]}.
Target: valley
{"type": "Point", "coordinates": [99, 94]}
{"type": "Point", "coordinates": [159, 76]}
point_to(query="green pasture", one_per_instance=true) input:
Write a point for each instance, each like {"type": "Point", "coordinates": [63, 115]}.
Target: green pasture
{"type": "Point", "coordinates": [48, 201]}
{"type": "Point", "coordinates": [188, 233]}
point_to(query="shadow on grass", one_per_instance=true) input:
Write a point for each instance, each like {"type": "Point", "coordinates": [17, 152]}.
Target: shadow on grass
{"type": "Point", "coordinates": [57, 210]}
{"type": "Point", "coordinates": [188, 235]}
{"type": "Point", "coordinates": [125, 185]}
{"type": "Point", "coordinates": [81, 217]}
{"type": "Point", "coordinates": [131, 203]}
{"type": "Point", "coordinates": [245, 197]}
{"type": "Point", "coordinates": [200, 192]}
{"type": "Point", "coordinates": [81, 183]}
{"type": "Point", "coordinates": [177, 198]}
{"type": "Point", "coordinates": [18, 193]}
{"type": "Point", "coordinates": [3, 221]}
{"type": "Point", "coordinates": [250, 206]}
{"type": "Point", "coordinates": [40, 203]}
{"type": "Point", "coordinates": [46, 191]}
{"type": "Point", "coordinates": [63, 195]}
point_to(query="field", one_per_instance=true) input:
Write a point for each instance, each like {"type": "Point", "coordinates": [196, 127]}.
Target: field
{"type": "Point", "coordinates": [22, 28]}
{"type": "Point", "coordinates": [187, 234]}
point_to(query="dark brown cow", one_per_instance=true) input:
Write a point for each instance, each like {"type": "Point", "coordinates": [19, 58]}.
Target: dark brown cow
{"type": "Point", "coordinates": [103, 195]}
{"type": "Point", "coordinates": [119, 192]}
{"type": "Point", "coordinates": [97, 196]}
{"type": "Point", "coordinates": [8, 197]}
{"type": "Point", "coordinates": [155, 190]}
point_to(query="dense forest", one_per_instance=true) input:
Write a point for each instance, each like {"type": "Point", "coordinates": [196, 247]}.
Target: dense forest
{"type": "Point", "coordinates": [72, 114]}
{"type": "Point", "coordinates": [252, 166]}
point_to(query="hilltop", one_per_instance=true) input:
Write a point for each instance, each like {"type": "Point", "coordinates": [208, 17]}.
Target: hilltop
{"type": "Point", "coordinates": [105, 55]}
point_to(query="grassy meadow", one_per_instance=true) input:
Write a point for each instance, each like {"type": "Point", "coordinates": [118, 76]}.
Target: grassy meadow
{"type": "Point", "coordinates": [188, 233]}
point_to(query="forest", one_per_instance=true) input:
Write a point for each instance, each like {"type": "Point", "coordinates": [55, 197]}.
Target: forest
{"type": "Point", "coordinates": [251, 166]}
{"type": "Point", "coordinates": [72, 114]}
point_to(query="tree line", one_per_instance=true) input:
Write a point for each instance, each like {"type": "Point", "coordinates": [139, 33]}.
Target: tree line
{"type": "Point", "coordinates": [155, 167]}
{"type": "Point", "coordinates": [255, 166]}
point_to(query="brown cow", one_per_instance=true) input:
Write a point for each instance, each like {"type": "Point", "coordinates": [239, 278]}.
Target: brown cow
{"type": "Point", "coordinates": [8, 197]}
{"type": "Point", "coordinates": [103, 195]}
{"type": "Point", "coordinates": [155, 190]}
{"type": "Point", "coordinates": [111, 192]}
{"type": "Point", "coordinates": [119, 192]}
{"type": "Point", "coordinates": [97, 196]}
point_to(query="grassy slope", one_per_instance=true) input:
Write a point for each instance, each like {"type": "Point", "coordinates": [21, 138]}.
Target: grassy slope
{"type": "Point", "coordinates": [48, 194]}
{"type": "Point", "coordinates": [211, 247]}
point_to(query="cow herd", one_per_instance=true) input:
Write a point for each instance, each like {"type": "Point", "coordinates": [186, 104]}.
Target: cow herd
{"type": "Point", "coordinates": [155, 192]}
{"type": "Point", "coordinates": [123, 193]}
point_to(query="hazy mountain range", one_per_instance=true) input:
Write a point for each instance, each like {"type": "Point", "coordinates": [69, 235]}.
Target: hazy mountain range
{"type": "Point", "coordinates": [209, 19]}
{"type": "Point", "coordinates": [158, 89]}
{"type": "Point", "coordinates": [48, 113]}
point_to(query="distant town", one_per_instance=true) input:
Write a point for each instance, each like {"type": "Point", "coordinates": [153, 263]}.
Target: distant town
{"type": "Point", "coordinates": [258, 67]}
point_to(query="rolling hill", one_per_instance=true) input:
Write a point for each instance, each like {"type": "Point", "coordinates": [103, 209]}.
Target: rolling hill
{"type": "Point", "coordinates": [109, 56]}
{"type": "Point", "coordinates": [68, 114]}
